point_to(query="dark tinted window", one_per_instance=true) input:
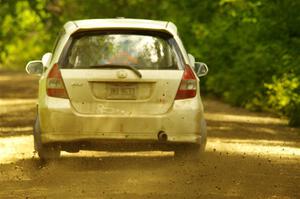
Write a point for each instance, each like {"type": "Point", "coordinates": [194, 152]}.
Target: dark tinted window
{"type": "Point", "coordinates": [141, 51]}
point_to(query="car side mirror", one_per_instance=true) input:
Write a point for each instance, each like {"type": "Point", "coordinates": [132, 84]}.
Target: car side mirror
{"type": "Point", "coordinates": [34, 67]}
{"type": "Point", "coordinates": [201, 69]}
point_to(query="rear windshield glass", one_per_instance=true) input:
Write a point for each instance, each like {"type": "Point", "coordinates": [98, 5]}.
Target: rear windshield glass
{"type": "Point", "coordinates": [137, 50]}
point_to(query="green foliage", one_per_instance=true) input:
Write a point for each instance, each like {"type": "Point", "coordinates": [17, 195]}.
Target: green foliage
{"type": "Point", "coordinates": [246, 44]}
{"type": "Point", "coordinates": [251, 46]}
{"type": "Point", "coordinates": [284, 96]}
{"type": "Point", "coordinates": [23, 35]}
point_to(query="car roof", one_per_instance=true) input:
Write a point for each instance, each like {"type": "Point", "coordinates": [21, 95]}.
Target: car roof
{"type": "Point", "coordinates": [144, 24]}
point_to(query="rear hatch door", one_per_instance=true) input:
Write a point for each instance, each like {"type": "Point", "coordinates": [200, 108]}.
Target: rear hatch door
{"type": "Point", "coordinates": [122, 72]}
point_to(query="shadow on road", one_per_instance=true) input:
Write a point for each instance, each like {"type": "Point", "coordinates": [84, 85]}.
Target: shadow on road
{"type": "Point", "coordinates": [18, 92]}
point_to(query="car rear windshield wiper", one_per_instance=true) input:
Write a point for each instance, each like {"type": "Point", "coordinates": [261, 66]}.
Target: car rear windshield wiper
{"type": "Point", "coordinates": [136, 71]}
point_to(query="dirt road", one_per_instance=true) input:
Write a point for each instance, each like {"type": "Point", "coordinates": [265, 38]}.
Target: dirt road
{"type": "Point", "coordinates": [249, 155]}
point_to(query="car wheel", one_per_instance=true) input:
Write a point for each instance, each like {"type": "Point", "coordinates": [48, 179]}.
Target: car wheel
{"type": "Point", "coordinates": [193, 152]}
{"type": "Point", "coordinates": [45, 152]}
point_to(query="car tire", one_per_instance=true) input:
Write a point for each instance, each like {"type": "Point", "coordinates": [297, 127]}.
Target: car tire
{"type": "Point", "coordinates": [196, 151]}
{"type": "Point", "coordinates": [45, 152]}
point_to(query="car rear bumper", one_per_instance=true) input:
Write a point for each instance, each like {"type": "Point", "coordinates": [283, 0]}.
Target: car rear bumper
{"type": "Point", "coordinates": [61, 124]}
{"type": "Point", "coordinates": [120, 145]}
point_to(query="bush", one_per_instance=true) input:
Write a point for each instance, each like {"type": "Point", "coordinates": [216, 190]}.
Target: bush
{"type": "Point", "coordinates": [284, 97]}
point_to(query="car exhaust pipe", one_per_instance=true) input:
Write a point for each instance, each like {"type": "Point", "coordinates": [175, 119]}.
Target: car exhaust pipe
{"type": "Point", "coordinates": [162, 136]}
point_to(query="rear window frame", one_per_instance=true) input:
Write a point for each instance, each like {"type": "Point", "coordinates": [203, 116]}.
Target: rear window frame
{"type": "Point", "coordinates": [62, 61]}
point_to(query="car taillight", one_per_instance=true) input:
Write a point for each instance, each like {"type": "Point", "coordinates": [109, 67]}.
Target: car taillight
{"type": "Point", "coordinates": [188, 84]}
{"type": "Point", "coordinates": [55, 86]}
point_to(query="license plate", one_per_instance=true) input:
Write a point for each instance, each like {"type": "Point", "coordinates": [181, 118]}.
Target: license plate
{"type": "Point", "coordinates": [121, 91]}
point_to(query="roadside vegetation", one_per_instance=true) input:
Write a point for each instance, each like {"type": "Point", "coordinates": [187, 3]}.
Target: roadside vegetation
{"type": "Point", "coordinates": [251, 46]}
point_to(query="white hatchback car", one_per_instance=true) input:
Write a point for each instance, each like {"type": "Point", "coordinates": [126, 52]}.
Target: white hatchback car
{"type": "Point", "coordinates": [119, 85]}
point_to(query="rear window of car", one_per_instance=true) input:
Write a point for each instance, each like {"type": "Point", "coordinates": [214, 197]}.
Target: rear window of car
{"type": "Point", "coordinates": [141, 50]}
